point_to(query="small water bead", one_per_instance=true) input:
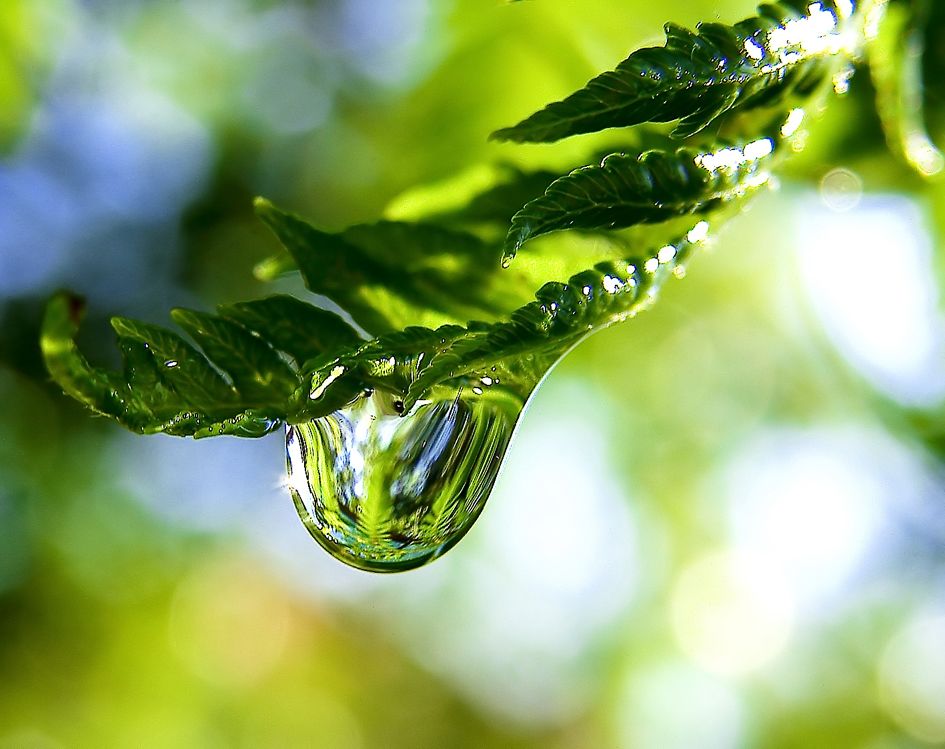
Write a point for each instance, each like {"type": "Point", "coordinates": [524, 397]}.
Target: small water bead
{"type": "Point", "coordinates": [385, 492]}
{"type": "Point", "coordinates": [841, 80]}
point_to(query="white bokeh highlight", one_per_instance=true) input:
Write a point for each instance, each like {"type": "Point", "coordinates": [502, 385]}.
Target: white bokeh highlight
{"type": "Point", "coordinates": [867, 270]}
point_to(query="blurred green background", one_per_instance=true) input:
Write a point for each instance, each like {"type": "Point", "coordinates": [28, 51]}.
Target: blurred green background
{"type": "Point", "coordinates": [721, 525]}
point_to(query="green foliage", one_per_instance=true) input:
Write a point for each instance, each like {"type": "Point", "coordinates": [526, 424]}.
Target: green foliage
{"type": "Point", "coordinates": [292, 326]}
{"type": "Point", "coordinates": [413, 286]}
{"type": "Point", "coordinates": [896, 57]}
{"type": "Point", "coordinates": [697, 77]}
{"type": "Point", "coordinates": [626, 190]}
{"type": "Point", "coordinates": [387, 274]}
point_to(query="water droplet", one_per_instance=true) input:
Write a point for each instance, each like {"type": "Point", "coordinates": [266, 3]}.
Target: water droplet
{"type": "Point", "coordinates": [666, 254]}
{"type": "Point", "coordinates": [385, 492]}
{"type": "Point", "coordinates": [841, 80]}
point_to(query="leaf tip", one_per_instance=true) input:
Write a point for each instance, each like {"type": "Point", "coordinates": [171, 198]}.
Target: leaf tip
{"type": "Point", "coordinates": [267, 211]}
{"type": "Point", "coordinates": [268, 269]}
{"type": "Point", "coordinates": [75, 307]}
{"type": "Point", "coordinates": [181, 315]}
{"type": "Point", "coordinates": [262, 206]}
{"type": "Point", "coordinates": [67, 304]}
{"type": "Point", "coordinates": [63, 314]}
{"type": "Point", "coordinates": [512, 245]}
{"type": "Point", "coordinates": [122, 326]}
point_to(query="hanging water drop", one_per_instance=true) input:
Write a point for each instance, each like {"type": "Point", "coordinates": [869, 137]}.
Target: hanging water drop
{"type": "Point", "coordinates": [387, 492]}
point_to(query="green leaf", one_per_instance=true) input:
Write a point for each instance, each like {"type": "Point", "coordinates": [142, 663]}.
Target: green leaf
{"type": "Point", "coordinates": [329, 265]}
{"type": "Point", "coordinates": [258, 372]}
{"type": "Point", "coordinates": [696, 77]}
{"type": "Point", "coordinates": [139, 398]}
{"type": "Point", "coordinates": [933, 66]}
{"type": "Point", "coordinates": [626, 190]}
{"type": "Point", "coordinates": [97, 389]}
{"type": "Point", "coordinates": [418, 245]}
{"type": "Point", "coordinates": [417, 360]}
{"type": "Point", "coordinates": [413, 286]}
{"type": "Point", "coordinates": [144, 380]}
{"type": "Point", "coordinates": [385, 281]}
{"type": "Point", "coordinates": [148, 396]}
{"type": "Point", "coordinates": [896, 58]}
{"type": "Point", "coordinates": [414, 245]}
{"type": "Point", "coordinates": [293, 326]}
{"type": "Point", "coordinates": [198, 384]}
{"type": "Point", "coordinates": [499, 202]}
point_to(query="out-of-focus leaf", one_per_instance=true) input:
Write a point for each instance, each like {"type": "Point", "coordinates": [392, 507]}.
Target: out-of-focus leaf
{"type": "Point", "coordinates": [896, 63]}
{"type": "Point", "coordinates": [26, 32]}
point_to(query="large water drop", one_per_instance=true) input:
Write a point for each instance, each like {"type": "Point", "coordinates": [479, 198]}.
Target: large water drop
{"type": "Point", "coordinates": [387, 492]}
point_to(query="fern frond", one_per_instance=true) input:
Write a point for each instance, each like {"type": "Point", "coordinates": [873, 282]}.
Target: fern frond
{"type": "Point", "coordinates": [896, 56]}
{"type": "Point", "coordinates": [414, 286]}
{"type": "Point", "coordinates": [391, 266]}
{"type": "Point", "coordinates": [698, 76]}
{"type": "Point", "coordinates": [626, 190]}
{"type": "Point", "coordinates": [415, 361]}
{"type": "Point", "coordinates": [240, 385]}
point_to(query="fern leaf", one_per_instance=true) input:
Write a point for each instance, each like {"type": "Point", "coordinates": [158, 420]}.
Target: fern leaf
{"type": "Point", "coordinates": [188, 372]}
{"type": "Point", "coordinates": [896, 53]}
{"type": "Point", "coordinates": [413, 286]}
{"type": "Point", "coordinates": [165, 385]}
{"type": "Point", "coordinates": [625, 190]}
{"type": "Point", "coordinates": [299, 329]}
{"type": "Point", "coordinates": [258, 373]}
{"type": "Point", "coordinates": [417, 360]}
{"type": "Point", "coordinates": [696, 77]}
{"type": "Point", "coordinates": [101, 391]}
{"type": "Point", "coordinates": [383, 266]}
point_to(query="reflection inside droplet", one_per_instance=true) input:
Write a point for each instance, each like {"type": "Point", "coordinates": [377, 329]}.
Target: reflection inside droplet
{"type": "Point", "coordinates": [385, 492]}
